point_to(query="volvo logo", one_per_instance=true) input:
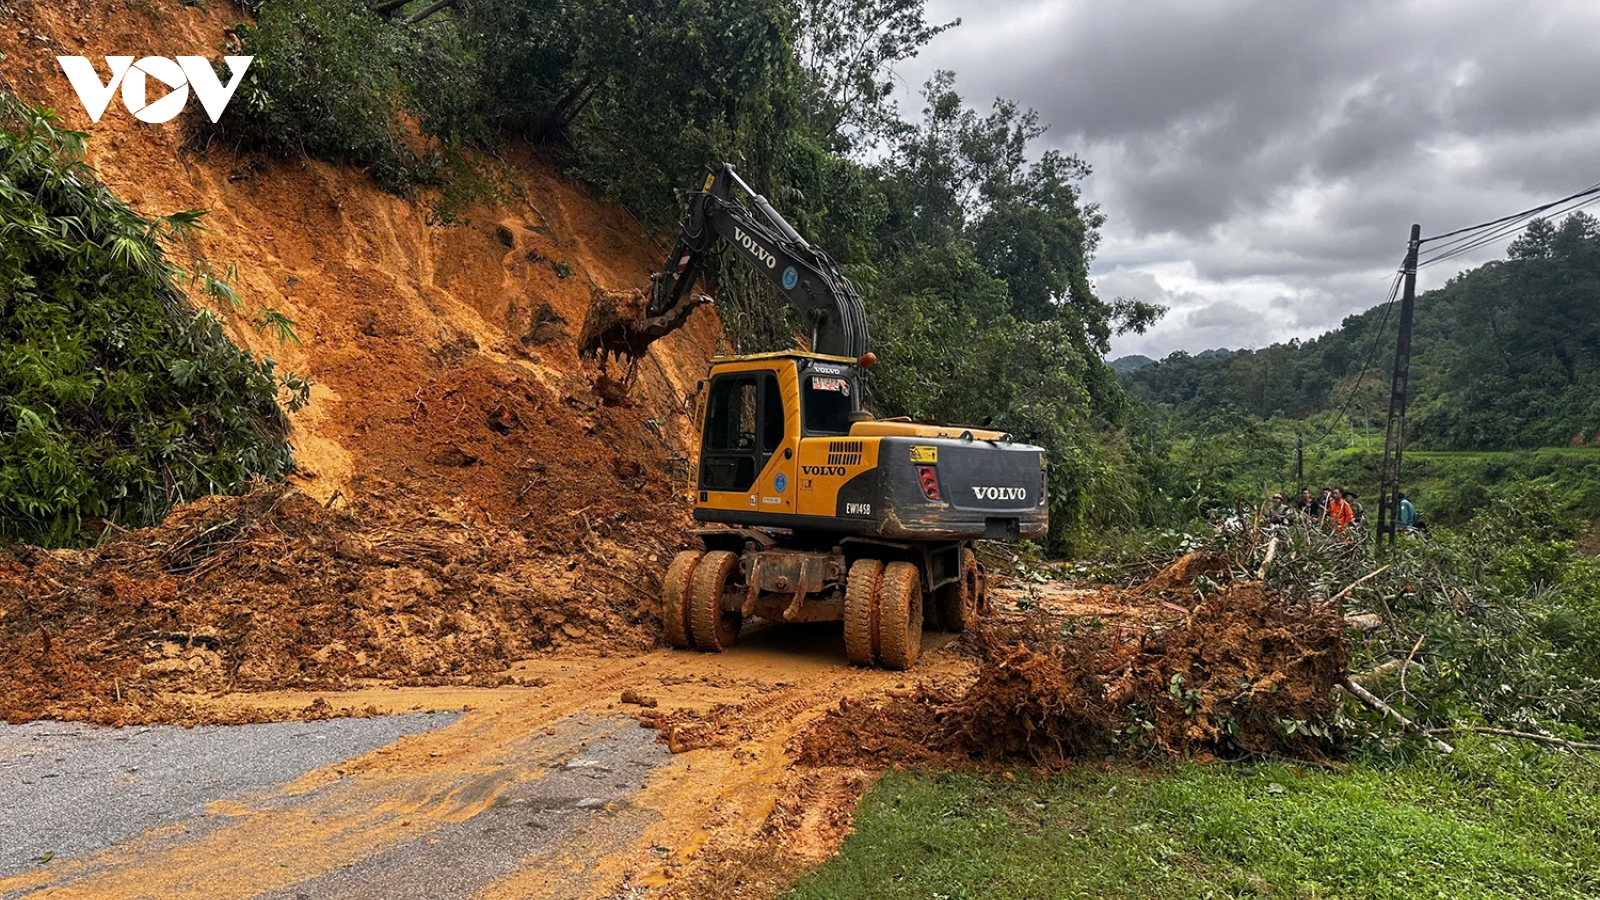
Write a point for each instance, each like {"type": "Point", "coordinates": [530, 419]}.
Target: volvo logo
{"type": "Point", "coordinates": [759, 252]}
{"type": "Point", "coordinates": [822, 470]}
{"type": "Point", "coordinates": [1000, 493]}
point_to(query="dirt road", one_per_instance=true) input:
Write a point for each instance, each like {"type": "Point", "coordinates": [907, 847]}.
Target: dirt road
{"type": "Point", "coordinates": [547, 791]}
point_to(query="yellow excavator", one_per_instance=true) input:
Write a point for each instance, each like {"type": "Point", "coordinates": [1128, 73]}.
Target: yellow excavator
{"type": "Point", "coordinates": [815, 510]}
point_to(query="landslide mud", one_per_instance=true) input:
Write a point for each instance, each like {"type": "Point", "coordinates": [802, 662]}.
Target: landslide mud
{"type": "Point", "coordinates": [739, 819]}
{"type": "Point", "coordinates": [470, 489]}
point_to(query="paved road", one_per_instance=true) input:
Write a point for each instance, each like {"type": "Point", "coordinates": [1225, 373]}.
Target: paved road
{"type": "Point", "coordinates": [547, 790]}
{"type": "Point", "coordinates": [67, 788]}
{"type": "Point", "coordinates": [145, 793]}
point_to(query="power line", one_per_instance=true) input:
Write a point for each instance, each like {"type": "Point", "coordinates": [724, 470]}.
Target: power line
{"type": "Point", "coordinates": [1473, 242]}
{"type": "Point", "coordinates": [1372, 354]}
{"type": "Point", "coordinates": [1525, 214]}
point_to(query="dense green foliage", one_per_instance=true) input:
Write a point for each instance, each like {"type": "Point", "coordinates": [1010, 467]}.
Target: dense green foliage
{"type": "Point", "coordinates": [1500, 615]}
{"type": "Point", "coordinates": [1505, 356]}
{"type": "Point", "coordinates": [970, 247]}
{"type": "Point", "coordinates": [1452, 486]}
{"type": "Point", "coordinates": [117, 398]}
{"type": "Point", "coordinates": [1491, 821]}
{"type": "Point", "coordinates": [1507, 615]}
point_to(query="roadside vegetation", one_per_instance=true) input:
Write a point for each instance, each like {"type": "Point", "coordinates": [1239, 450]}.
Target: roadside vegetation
{"type": "Point", "coordinates": [1495, 819]}
{"type": "Point", "coordinates": [1482, 638]}
{"type": "Point", "coordinates": [118, 397]}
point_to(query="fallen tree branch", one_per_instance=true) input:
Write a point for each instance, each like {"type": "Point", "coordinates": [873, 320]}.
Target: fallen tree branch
{"type": "Point", "coordinates": [1384, 668]}
{"type": "Point", "coordinates": [437, 7]}
{"type": "Point", "coordinates": [1363, 622]}
{"type": "Point", "coordinates": [1371, 700]}
{"type": "Point", "coordinates": [1409, 658]}
{"type": "Point", "coordinates": [1506, 732]}
{"type": "Point", "coordinates": [1272, 552]}
{"type": "Point", "coordinates": [1363, 579]}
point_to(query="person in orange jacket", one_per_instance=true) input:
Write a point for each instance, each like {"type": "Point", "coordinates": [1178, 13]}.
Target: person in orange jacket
{"type": "Point", "coordinates": [1339, 511]}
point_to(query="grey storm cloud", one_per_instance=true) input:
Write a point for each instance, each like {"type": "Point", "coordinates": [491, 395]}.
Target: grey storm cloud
{"type": "Point", "coordinates": [1269, 156]}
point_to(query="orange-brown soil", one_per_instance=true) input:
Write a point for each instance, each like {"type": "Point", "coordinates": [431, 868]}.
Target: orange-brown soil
{"type": "Point", "coordinates": [1162, 669]}
{"type": "Point", "coordinates": [483, 498]}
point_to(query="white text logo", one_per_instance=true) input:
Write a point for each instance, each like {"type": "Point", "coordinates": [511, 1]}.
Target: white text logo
{"type": "Point", "coordinates": [1000, 493]}
{"type": "Point", "coordinates": [187, 72]}
{"type": "Point", "coordinates": [759, 251]}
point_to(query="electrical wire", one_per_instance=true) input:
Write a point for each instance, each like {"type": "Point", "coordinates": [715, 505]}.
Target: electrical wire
{"type": "Point", "coordinates": [1525, 214]}
{"type": "Point", "coordinates": [1514, 224]}
{"type": "Point", "coordinates": [1372, 353]}
{"type": "Point", "coordinates": [1473, 242]}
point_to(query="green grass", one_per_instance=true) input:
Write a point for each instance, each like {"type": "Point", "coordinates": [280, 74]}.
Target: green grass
{"type": "Point", "coordinates": [1494, 821]}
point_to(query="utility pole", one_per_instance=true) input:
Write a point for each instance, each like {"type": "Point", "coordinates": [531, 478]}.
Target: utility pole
{"type": "Point", "coordinates": [1299, 462]}
{"type": "Point", "coordinates": [1395, 437]}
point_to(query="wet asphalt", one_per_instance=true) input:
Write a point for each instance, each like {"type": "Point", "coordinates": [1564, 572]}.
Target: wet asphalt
{"type": "Point", "coordinates": [68, 790]}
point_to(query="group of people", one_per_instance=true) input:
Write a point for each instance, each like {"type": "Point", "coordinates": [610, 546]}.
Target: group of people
{"type": "Point", "coordinates": [1337, 507]}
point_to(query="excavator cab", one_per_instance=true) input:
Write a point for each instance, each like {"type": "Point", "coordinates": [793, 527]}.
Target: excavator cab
{"type": "Point", "coordinates": [763, 423]}
{"type": "Point", "coordinates": [784, 443]}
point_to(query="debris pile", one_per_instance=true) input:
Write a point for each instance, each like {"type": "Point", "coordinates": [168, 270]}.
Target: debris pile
{"type": "Point", "coordinates": [1244, 670]}
{"type": "Point", "coordinates": [272, 590]}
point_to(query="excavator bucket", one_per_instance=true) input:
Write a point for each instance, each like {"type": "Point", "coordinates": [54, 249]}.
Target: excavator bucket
{"type": "Point", "coordinates": [618, 324]}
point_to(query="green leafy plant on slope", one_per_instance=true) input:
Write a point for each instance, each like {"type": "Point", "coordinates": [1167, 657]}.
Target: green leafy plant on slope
{"type": "Point", "coordinates": [118, 398]}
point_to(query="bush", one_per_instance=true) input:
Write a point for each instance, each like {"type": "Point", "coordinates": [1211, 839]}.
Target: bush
{"type": "Point", "coordinates": [117, 398]}
{"type": "Point", "coordinates": [1502, 616]}
{"type": "Point", "coordinates": [332, 80]}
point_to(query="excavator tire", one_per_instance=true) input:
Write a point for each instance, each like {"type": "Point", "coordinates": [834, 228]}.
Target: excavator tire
{"type": "Point", "coordinates": [957, 602]}
{"type": "Point", "coordinates": [713, 628]}
{"type": "Point", "coordinates": [675, 598]}
{"type": "Point", "coordinates": [860, 611]}
{"type": "Point", "coordinates": [900, 616]}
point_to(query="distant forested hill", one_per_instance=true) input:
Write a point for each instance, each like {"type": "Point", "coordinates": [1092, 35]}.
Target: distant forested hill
{"type": "Point", "coordinates": [1504, 356]}
{"type": "Point", "coordinates": [1129, 363]}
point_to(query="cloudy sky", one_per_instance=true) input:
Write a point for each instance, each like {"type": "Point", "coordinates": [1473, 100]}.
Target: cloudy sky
{"type": "Point", "coordinates": [1261, 161]}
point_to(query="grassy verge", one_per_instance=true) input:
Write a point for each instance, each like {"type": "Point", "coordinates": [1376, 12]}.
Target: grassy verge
{"type": "Point", "coordinates": [1494, 821]}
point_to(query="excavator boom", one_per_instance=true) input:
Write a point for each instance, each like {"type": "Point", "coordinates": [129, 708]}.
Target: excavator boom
{"type": "Point", "coordinates": [805, 275]}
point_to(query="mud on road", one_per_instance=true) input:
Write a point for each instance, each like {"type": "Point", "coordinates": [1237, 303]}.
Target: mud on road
{"type": "Point", "coordinates": [547, 790]}
{"type": "Point", "coordinates": [594, 771]}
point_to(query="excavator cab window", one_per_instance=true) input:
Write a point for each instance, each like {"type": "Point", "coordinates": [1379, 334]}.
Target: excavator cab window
{"type": "Point", "coordinates": [827, 404]}
{"type": "Point", "coordinates": [744, 425]}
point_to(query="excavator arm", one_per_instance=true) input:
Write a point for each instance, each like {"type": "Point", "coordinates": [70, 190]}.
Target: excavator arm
{"type": "Point", "coordinates": [804, 274]}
